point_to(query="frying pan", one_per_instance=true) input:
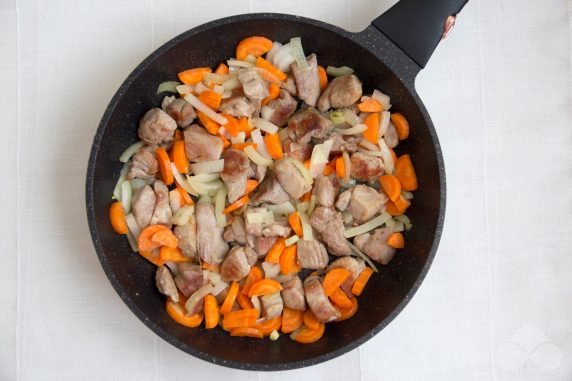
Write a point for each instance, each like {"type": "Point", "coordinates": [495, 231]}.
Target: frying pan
{"type": "Point", "coordinates": [387, 55]}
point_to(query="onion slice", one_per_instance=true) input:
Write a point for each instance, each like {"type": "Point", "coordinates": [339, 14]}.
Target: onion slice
{"type": "Point", "coordinates": [386, 157]}
{"type": "Point", "coordinates": [209, 112]}
{"type": "Point", "coordinates": [132, 225]}
{"type": "Point", "coordinates": [183, 215]}
{"type": "Point", "coordinates": [298, 53]}
{"type": "Point", "coordinates": [256, 137]}
{"type": "Point", "coordinates": [126, 193]}
{"type": "Point", "coordinates": [220, 200]}
{"type": "Point", "coordinates": [303, 170]}
{"type": "Point", "coordinates": [351, 117]}
{"type": "Point", "coordinates": [362, 256]}
{"type": "Point", "coordinates": [212, 166]}
{"type": "Point", "coordinates": [197, 297]}
{"type": "Point", "coordinates": [256, 157]}
{"type": "Point", "coordinates": [219, 287]}
{"type": "Point", "coordinates": [306, 227]}
{"type": "Point", "coordinates": [275, 47]}
{"type": "Point", "coordinates": [368, 226]}
{"type": "Point", "coordinates": [231, 84]}
{"type": "Point", "coordinates": [130, 151]}
{"type": "Point", "coordinates": [292, 240]}
{"type": "Point", "coordinates": [382, 98]}
{"type": "Point", "coordinates": [120, 180]}
{"type": "Point", "coordinates": [264, 125]}
{"type": "Point", "coordinates": [239, 63]}
{"type": "Point", "coordinates": [168, 86]}
{"type": "Point", "coordinates": [339, 71]}
{"type": "Point", "coordinates": [284, 208]}
{"type": "Point", "coordinates": [384, 122]}
{"type": "Point", "coordinates": [355, 130]}
{"type": "Point", "coordinates": [218, 79]}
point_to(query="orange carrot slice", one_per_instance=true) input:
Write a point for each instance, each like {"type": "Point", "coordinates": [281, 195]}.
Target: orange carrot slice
{"type": "Point", "coordinates": [334, 279]}
{"type": "Point", "coordinates": [230, 298]}
{"type": "Point", "coordinates": [193, 76]}
{"type": "Point", "coordinates": [396, 240]}
{"type": "Point", "coordinates": [254, 46]}
{"type": "Point", "coordinates": [289, 261]}
{"type": "Point", "coordinates": [212, 315]}
{"type": "Point", "coordinates": [291, 320]}
{"type": "Point", "coordinates": [117, 218]}
{"type": "Point", "coordinates": [264, 287]}
{"type": "Point", "coordinates": [401, 125]}
{"type": "Point", "coordinates": [164, 166]}
{"type": "Point", "coordinates": [391, 186]}
{"type": "Point", "coordinates": [406, 173]}
{"type": "Point", "coordinates": [361, 281]}
{"type": "Point", "coordinates": [177, 312]}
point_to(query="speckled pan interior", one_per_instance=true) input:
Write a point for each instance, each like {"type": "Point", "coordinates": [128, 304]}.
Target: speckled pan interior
{"type": "Point", "coordinates": [379, 64]}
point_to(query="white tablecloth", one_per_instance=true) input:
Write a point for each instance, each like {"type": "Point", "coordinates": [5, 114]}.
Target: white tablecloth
{"type": "Point", "coordinates": [495, 303]}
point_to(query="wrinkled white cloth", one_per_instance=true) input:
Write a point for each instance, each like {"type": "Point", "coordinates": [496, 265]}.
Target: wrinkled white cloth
{"type": "Point", "coordinates": [494, 306]}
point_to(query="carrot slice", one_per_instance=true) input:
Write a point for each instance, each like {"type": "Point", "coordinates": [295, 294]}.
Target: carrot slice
{"type": "Point", "coordinates": [328, 170]}
{"type": "Point", "coordinates": [179, 135]}
{"type": "Point", "coordinates": [211, 99]}
{"type": "Point", "coordinates": [274, 146]}
{"type": "Point", "coordinates": [187, 197]}
{"type": "Point", "coordinates": [232, 126]}
{"type": "Point", "coordinates": [180, 156]}
{"type": "Point", "coordinates": [307, 163]}
{"type": "Point", "coordinates": [323, 77]}
{"type": "Point", "coordinates": [396, 240]}
{"type": "Point", "coordinates": [370, 105]}
{"type": "Point", "coordinates": [340, 299]}
{"type": "Point", "coordinates": [291, 320]}
{"type": "Point", "coordinates": [221, 68]}
{"type": "Point", "coordinates": [208, 266]}
{"type": "Point", "coordinates": [237, 204]}
{"type": "Point", "coordinates": [254, 275]}
{"type": "Point", "coordinates": [264, 287]}
{"type": "Point", "coordinates": [273, 255]}
{"type": "Point", "coordinates": [269, 325]}
{"type": "Point", "coordinates": [165, 237]}
{"type": "Point", "coordinates": [144, 242]}
{"type": "Point", "coordinates": [117, 218]}
{"type": "Point", "coordinates": [172, 254]}
{"type": "Point", "coordinates": [372, 132]}
{"type": "Point", "coordinates": [273, 93]}
{"type": "Point", "coordinates": [212, 315]}
{"type": "Point", "coordinates": [294, 221]}
{"type": "Point", "coordinates": [208, 123]}
{"type": "Point", "coordinates": [254, 46]}
{"type": "Point", "coordinates": [340, 167]}
{"type": "Point", "coordinates": [306, 196]}
{"type": "Point", "coordinates": [347, 313]}
{"type": "Point", "coordinates": [264, 64]}
{"type": "Point", "coordinates": [152, 256]}
{"type": "Point", "coordinates": [177, 312]}
{"type": "Point", "coordinates": [193, 76]}
{"type": "Point", "coordinates": [242, 146]}
{"type": "Point", "coordinates": [361, 281]}
{"type": "Point", "coordinates": [310, 320]}
{"type": "Point", "coordinates": [240, 318]}
{"type": "Point", "coordinates": [398, 207]}
{"type": "Point", "coordinates": [244, 126]}
{"type": "Point", "coordinates": [406, 173]}
{"type": "Point", "coordinates": [391, 186]}
{"type": "Point", "coordinates": [334, 279]}
{"type": "Point", "coordinates": [289, 261]}
{"type": "Point", "coordinates": [401, 125]}
{"type": "Point", "coordinates": [247, 332]}
{"type": "Point", "coordinates": [250, 185]}
{"type": "Point", "coordinates": [305, 335]}
{"type": "Point", "coordinates": [164, 166]}
{"type": "Point", "coordinates": [230, 298]}
{"type": "Point", "coordinates": [225, 142]}
{"type": "Point", "coordinates": [244, 301]}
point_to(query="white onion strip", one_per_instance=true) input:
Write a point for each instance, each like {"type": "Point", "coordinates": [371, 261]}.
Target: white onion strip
{"type": "Point", "coordinates": [284, 208]}
{"type": "Point", "coordinates": [209, 112]}
{"type": "Point", "coordinates": [368, 226]}
{"type": "Point", "coordinates": [132, 225]}
{"type": "Point", "coordinates": [306, 227]}
{"type": "Point", "coordinates": [120, 180]}
{"type": "Point", "coordinates": [298, 53]}
{"type": "Point", "coordinates": [239, 63]}
{"type": "Point", "coordinates": [362, 255]}
{"type": "Point", "coordinates": [218, 79]}
{"type": "Point", "coordinates": [384, 122]}
{"type": "Point", "coordinates": [265, 125]}
{"type": "Point", "coordinates": [256, 136]}
{"type": "Point", "coordinates": [256, 158]}
{"type": "Point", "coordinates": [181, 181]}
{"type": "Point", "coordinates": [339, 71]}
{"type": "Point", "coordinates": [292, 240]}
{"type": "Point", "coordinates": [355, 130]}
{"type": "Point", "coordinates": [197, 297]}
{"type": "Point", "coordinates": [388, 163]}
{"type": "Point", "coordinates": [130, 151]}
{"type": "Point", "coordinates": [220, 200]}
{"type": "Point", "coordinates": [126, 193]}
{"type": "Point", "coordinates": [382, 98]}
{"type": "Point", "coordinates": [212, 166]}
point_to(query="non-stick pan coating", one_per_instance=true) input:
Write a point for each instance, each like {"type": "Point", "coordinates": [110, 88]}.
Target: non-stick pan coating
{"type": "Point", "coordinates": [386, 294]}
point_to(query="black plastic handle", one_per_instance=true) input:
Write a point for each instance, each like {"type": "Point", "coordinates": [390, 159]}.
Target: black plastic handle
{"type": "Point", "coordinates": [417, 26]}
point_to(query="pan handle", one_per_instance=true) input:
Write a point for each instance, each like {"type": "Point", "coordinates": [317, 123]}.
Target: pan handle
{"type": "Point", "coordinates": [417, 26]}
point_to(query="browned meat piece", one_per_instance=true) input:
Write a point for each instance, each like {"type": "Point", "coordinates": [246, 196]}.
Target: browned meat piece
{"type": "Point", "coordinates": [330, 225]}
{"type": "Point", "coordinates": [200, 145]}
{"type": "Point", "coordinates": [289, 85]}
{"type": "Point", "coordinates": [354, 265]}
{"type": "Point", "coordinates": [166, 284]}
{"type": "Point", "coordinates": [271, 270]}
{"type": "Point", "coordinates": [365, 167]}
{"type": "Point", "coordinates": [318, 301]}
{"type": "Point", "coordinates": [187, 236]}
{"type": "Point", "coordinates": [375, 245]}
{"type": "Point", "coordinates": [181, 111]}
{"type": "Point", "coordinates": [210, 244]}
{"type": "Point", "coordinates": [143, 205]}
{"type": "Point", "coordinates": [311, 255]}
{"type": "Point", "coordinates": [390, 136]}
{"type": "Point", "coordinates": [283, 108]}
{"type": "Point", "coordinates": [162, 212]}
{"type": "Point", "coordinates": [270, 192]}
{"type": "Point", "coordinates": [256, 172]}
{"type": "Point", "coordinates": [366, 202]}
{"type": "Point", "coordinates": [344, 199]}
{"type": "Point", "coordinates": [237, 106]}
{"type": "Point", "coordinates": [189, 278]}
{"type": "Point", "coordinates": [277, 229]}
{"type": "Point", "coordinates": [237, 263]}
{"type": "Point", "coordinates": [293, 294]}
{"type": "Point", "coordinates": [253, 86]}
{"type": "Point", "coordinates": [143, 165]}
{"type": "Point", "coordinates": [300, 152]}
{"type": "Point", "coordinates": [167, 101]}
{"type": "Point", "coordinates": [236, 167]}
{"type": "Point", "coordinates": [157, 128]}
{"type": "Point", "coordinates": [341, 92]}
{"type": "Point", "coordinates": [272, 305]}
{"type": "Point", "coordinates": [290, 178]}
{"type": "Point", "coordinates": [236, 231]}
{"type": "Point", "coordinates": [326, 190]}
{"type": "Point", "coordinates": [309, 123]}
{"type": "Point", "coordinates": [343, 144]}
{"type": "Point", "coordinates": [263, 244]}
{"type": "Point", "coordinates": [307, 81]}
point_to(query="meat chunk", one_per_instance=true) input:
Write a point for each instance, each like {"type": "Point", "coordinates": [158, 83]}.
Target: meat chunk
{"type": "Point", "coordinates": [300, 152]}
{"type": "Point", "coordinates": [210, 244]}
{"type": "Point", "coordinates": [290, 178]}
{"type": "Point", "coordinates": [318, 301]}
{"type": "Point", "coordinates": [390, 136]}
{"type": "Point", "coordinates": [263, 244]}
{"type": "Point", "coordinates": [251, 228]}
{"type": "Point", "coordinates": [181, 111]}
{"type": "Point", "coordinates": [236, 231]}
{"type": "Point", "coordinates": [187, 236]}
{"type": "Point", "coordinates": [253, 86]}
{"type": "Point", "coordinates": [354, 265]}
{"type": "Point", "coordinates": [326, 190]}
{"type": "Point", "coordinates": [293, 294]}
{"type": "Point", "coordinates": [375, 245]}
{"type": "Point", "coordinates": [143, 165]}
{"type": "Point", "coordinates": [236, 168]}
{"type": "Point", "coordinates": [200, 145]}
{"type": "Point", "coordinates": [309, 123]}
{"type": "Point", "coordinates": [189, 278]}
{"type": "Point", "coordinates": [330, 225]}
{"type": "Point", "coordinates": [143, 205]}
{"type": "Point", "coordinates": [283, 108]}
{"type": "Point", "coordinates": [289, 85]}
{"type": "Point", "coordinates": [270, 192]}
{"type": "Point", "coordinates": [237, 263]}
{"type": "Point", "coordinates": [341, 92]}
{"type": "Point", "coordinates": [277, 229]}
{"type": "Point", "coordinates": [343, 144]}
{"type": "Point", "coordinates": [311, 255]}
{"type": "Point", "coordinates": [166, 284]}
{"type": "Point", "coordinates": [307, 81]}
{"type": "Point", "coordinates": [157, 128]}
{"type": "Point", "coordinates": [365, 202]}
{"type": "Point", "coordinates": [272, 305]}
{"type": "Point", "coordinates": [237, 106]}
{"type": "Point", "coordinates": [271, 270]}
{"type": "Point", "coordinates": [344, 199]}
{"type": "Point", "coordinates": [162, 212]}
{"type": "Point", "coordinates": [365, 167]}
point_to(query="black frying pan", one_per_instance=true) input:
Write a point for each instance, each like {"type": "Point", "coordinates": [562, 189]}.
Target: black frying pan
{"type": "Point", "coordinates": [387, 55]}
